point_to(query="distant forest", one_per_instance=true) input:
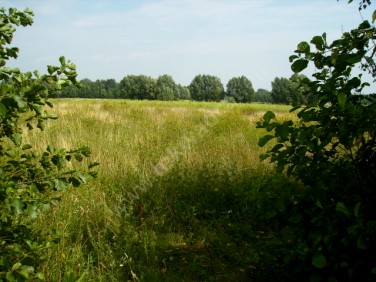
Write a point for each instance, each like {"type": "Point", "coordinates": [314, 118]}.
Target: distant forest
{"type": "Point", "coordinates": [202, 88]}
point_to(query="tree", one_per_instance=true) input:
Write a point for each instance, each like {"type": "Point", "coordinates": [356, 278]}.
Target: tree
{"type": "Point", "coordinates": [241, 89]}
{"type": "Point", "coordinates": [292, 91]}
{"type": "Point", "coordinates": [183, 93]}
{"type": "Point", "coordinates": [166, 88]}
{"type": "Point", "coordinates": [301, 94]}
{"type": "Point", "coordinates": [100, 89]}
{"type": "Point", "coordinates": [206, 88]}
{"type": "Point", "coordinates": [263, 96]}
{"type": "Point", "coordinates": [282, 90]}
{"type": "Point", "coordinates": [140, 87]}
{"type": "Point", "coordinates": [331, 148]}
{"type": "Point", "coordinates": [30, 181]}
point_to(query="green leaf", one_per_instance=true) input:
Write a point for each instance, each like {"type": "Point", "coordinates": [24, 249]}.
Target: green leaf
{"type": "Point", "coordinates": [93, 164]}
{"type": "Point", "coordinates": [16, 266]}
{"type": "Point", "coordinates": [303, 47]}
{"type": "Point", "coordinates": [319, 261]}
{"type": "Point", "coordinates": [62, 60]}
{"type": "Point", "coordinates": [10, 277]}
{"type": "Point", "coordinates": [40, 276]}
{"type": "Point", "coordinates": [60, 185]}
{"type": "Point", "coordinates": [342, 97]}
{"type": "Point", "coordinates": [295, 108]}
{"type": "Point", "coordinates": [81, 177]}
{"type": "Point", "coordinates": [293, 57]}
{"type": "Point", "coordinates": [78, 157]}
{"type": "Point", "coordinates": [374, 16]}
{"type": "Point", "coordinates": [32, 211]}
{"type": "Point", "coordinates": [18, 205]}
{"type": "Point", "coordinates": [75, 182]}
{"type": "Point", "coordinates": [282, 131]}
{"type": "Point", "coordinates": [340, 207]}
{"type": "Point", "coordinates": [277, 147]}
{"type": "Point", "coordinates": [20, 102]}
{"type": "Point", "coordinates": [361, 243]}
{"type": "Point", "coordinates": [265, 139]}
{"type": "Point", "coordinates": [299, 65]}
{"type": "Point", "coordinates": [356, 209]}
{"type": "Point", "coordinates": [3, 110]}
{"type": "Point", "coordinates": [318, 41]}
{"type": "Point", "coordinates": [268, 116]}
{"type": "Point", "coordinates": [26, 271]}
{"type": "Point", "coordinates": [264, 157]}
{"type": "Point", "coordinates": [324, 37]}
{"type": "Point", "coordinates": [40, 124]}
{"type": "Point", "coordinates": [26, 147]}
{"type": "Point", "coordinates": [51, 69]}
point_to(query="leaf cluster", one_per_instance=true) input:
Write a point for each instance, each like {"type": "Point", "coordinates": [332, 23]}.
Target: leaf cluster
{"type": "Point", "coordinates": [30, 181]}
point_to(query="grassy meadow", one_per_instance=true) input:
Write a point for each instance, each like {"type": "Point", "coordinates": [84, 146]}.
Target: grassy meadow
{"type": "Point", "coordinates": [180, 196]}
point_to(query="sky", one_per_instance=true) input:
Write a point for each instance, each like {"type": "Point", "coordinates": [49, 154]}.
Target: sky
{"type": "Point", "coordinates": [182, 38]}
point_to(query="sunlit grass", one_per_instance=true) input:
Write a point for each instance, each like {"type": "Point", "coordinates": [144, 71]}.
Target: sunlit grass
{"type": "Point", "coordinates": [179, 196]}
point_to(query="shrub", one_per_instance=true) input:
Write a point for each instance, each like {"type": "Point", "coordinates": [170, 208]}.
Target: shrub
{"type": "Point", "coordinates": [30, 181]}
{"type": "Point", "coordinates": [331, 148]}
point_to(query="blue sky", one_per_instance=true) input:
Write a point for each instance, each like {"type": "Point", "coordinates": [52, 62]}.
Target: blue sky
{"type": "Point", "coordinates": [182, 38]}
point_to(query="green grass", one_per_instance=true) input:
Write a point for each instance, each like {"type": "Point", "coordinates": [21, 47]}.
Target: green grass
{"type": "Point", "coordinates": [181, 194]}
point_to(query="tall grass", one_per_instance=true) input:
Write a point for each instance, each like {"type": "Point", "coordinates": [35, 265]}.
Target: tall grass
{"type": "Point", "coordinates": [181, 194]}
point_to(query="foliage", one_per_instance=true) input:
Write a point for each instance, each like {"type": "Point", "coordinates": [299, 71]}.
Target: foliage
{"type": "Point", "coordinates": [302, 93]}
{"type": "Point", "coordinates": [291, 91]}
{"type": "Point", "coordinates": [100, 89]}
{"type": "Point", "coordinates": [332, 150]}
{"type": "Point", "coordinates": [30, 182]}
{"type": "Point", "coordinates": [263, 96]}
{"type": "Point", "coordinates": [166, 88]}
{"type": "Point", "coordinates": [182, 93]}
{"type": "Point", "coordinates": [241, 89]}
{"type": "Point", "coordinates": [281, 90]}
{"type": "Point", "coordinates": [362, 3]}
{"type": "Point", "coordinates": [140, 87]}
{"type": "Point", "coordinates": [206, 88]}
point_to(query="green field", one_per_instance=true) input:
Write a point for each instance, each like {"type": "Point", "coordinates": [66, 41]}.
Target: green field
{"type": "Point", "coordinates": [180, 196]}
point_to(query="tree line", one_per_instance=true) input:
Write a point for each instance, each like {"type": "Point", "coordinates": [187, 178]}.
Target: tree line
{"type": "Point", "coordinates": [203, 87]}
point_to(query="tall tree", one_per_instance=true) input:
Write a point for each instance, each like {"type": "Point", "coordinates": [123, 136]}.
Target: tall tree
{"type": "Point", "coordinates": [166, 88]}
{"type": "Point", "coordinates": [291, 91]}
{"type": "Point", "coordinates": [206, 88]}
{"type": "Point", "coordinates": [241, 89]}
{"type": "Point", "coordinates": [183, 93]}
{"type": "Point", "coordinates": [140, 87]}
{"type": "Point", "coordinates": [263, 96]}
{"type": "Point", "coordinates": [302, 93]}
{"type": "Point", "coordinates": [282, 90]}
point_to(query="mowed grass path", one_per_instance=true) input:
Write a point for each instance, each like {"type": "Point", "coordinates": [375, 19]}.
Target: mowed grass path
{"type": "Point", "coordinates": [180, 196]}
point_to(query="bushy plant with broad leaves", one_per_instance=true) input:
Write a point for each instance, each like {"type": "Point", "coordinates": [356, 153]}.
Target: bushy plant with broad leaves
{"type": "Point", "coordinates": [30, 181]}
{"type": "Point", "coordinates": [331, 148]}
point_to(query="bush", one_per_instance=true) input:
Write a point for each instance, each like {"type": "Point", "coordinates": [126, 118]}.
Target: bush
{"type": "Point", "coordinates": [30, 181]}
{"type": "Point", "coordinates": [332, 150]}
